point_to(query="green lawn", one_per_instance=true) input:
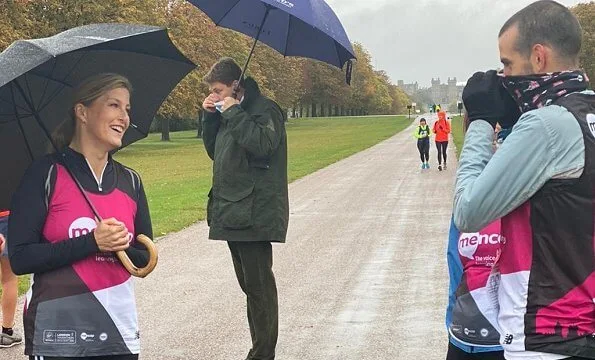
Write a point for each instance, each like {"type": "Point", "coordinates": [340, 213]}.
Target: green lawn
{"type": "Point", "coordinates": [177, 174]}
{"type": "Point", "coordinates": [457, 133]}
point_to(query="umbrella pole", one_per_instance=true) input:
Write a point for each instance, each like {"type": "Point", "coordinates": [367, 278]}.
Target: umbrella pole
{"type": "Point", "coordinates": [47, 133]}
{"type": "Point", "coordinates": [264, 19]}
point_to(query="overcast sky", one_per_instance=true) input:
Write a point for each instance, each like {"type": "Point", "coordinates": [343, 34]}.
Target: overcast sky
{"type": "Point", "coordinates": [415, 40]}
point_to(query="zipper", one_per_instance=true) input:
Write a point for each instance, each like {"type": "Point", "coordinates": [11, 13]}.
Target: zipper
{"type": "Point", "coordinates": [100, 180]}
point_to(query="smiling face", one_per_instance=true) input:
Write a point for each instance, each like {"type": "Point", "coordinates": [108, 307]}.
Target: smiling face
{"type": "Point", "coordinates": [106, 119]}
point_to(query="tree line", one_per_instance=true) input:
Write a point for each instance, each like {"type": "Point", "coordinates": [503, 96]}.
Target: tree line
{"type": "Point", "coordinates": [304, 87]}
{"type": "Point", "coordinates": [586, 16]}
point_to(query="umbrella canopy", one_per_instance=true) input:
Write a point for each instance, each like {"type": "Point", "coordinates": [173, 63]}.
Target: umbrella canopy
{"type": "Point", "coordinates": [306, 28]}
{"type": "Point", "coordinates": [38, 76]}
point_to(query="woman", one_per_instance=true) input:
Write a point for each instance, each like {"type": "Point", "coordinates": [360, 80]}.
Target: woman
{"type": "Point", "coordinates": [442, 131]}
{"type": "Point", "coordinates": [422, 133]}
{"type": "Point", "coordinates": [81, 304]}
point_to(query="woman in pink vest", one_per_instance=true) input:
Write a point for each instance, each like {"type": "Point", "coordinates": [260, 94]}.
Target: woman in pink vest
{"type": "Point", "coordinates": [81, 304]}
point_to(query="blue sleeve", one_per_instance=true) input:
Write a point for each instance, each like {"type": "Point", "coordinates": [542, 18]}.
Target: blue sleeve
{"type": "Point", "coordinates": [455, 269]}
{"type": "Point", "coordinates": [544, 144]}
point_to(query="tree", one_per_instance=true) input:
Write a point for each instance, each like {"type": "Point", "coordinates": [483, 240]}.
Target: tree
{"type": "Point", "coordinates": [295, 83]}
{"type": "Point", "coordinates": [586, 15]}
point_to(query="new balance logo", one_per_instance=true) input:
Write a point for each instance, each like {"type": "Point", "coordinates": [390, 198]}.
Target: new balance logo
{"type": "Point", "coordinates": [508, 339]}
{"type": "Point", "coordinates": [591, 123]}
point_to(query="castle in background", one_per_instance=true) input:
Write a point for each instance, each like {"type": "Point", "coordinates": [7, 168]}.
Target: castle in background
{"type": "Point", "coordinates": [444, 94]}
{"type": "Point", "coordinates": [409, 89]}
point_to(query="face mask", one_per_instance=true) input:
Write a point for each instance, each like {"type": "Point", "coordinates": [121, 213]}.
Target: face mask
{"type": "Point", "coordinates": [219, 106]}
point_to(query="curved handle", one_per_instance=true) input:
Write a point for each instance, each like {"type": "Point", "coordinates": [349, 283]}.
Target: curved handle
{"type": "Point", "coordinates": [132, 269]}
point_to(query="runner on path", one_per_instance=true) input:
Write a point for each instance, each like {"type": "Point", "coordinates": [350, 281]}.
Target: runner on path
{"type": "Point", "coordinates": [442, 131]}
{"type": "Point", "coordinates": [422, 134]}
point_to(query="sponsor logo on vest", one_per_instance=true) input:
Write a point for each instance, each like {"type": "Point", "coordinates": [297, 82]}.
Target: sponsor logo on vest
{"type": "Point", "coordinates": [103, 337]}
{"type": "Point", "coordinates": [81, 226]}
{"type": "Point", "coordinates": [59, 337]}
{"type": "Point", "coordinates": [286, 3]}
{"type": "Point", "coordinates": [469, 242]}
{"type": "Point", "coordinates": [87, 337]}
{"type": "Point", "coordinates": [470, 332]}
{"type": "Point", "coordinates": [591, 123]}
{"type": "Point", "coordinates": [484, 333]}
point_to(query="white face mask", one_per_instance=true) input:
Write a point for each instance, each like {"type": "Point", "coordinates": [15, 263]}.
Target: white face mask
{"type": "Point", "coordinates": [219, 106]}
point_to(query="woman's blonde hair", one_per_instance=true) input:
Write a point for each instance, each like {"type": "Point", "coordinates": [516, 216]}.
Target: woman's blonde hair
{"type": "Point", "coordinates": [86, 93]}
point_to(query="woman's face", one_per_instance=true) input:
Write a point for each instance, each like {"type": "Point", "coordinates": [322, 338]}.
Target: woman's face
{"type": "Point", "coordinates": [107, 118]}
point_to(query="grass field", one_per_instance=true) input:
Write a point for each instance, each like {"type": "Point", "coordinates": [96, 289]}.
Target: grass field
{"type": "Point", "coordinates": [177, 174]}
{"type": "Point", "coordinates": [457, 133]}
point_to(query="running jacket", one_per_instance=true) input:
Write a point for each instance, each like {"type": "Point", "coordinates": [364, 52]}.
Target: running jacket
{"type": "Point", "coordinates": [544, 190]}
{"type": "Point", "coordinates": [81, 302]}
{"type": "Point", "coordinates": [442, 127]}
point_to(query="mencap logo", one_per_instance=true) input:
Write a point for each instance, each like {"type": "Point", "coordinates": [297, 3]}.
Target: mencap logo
{"type": "Point", "coordinates": [84, 225]}
{"type": "Point", "coordinates": [81, 226]}
{"type": "Point", "coordinates": [469, 242]}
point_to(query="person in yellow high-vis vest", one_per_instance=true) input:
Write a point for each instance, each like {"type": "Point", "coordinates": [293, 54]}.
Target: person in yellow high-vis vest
{"type": "Point", "coordinates": [422, 134]}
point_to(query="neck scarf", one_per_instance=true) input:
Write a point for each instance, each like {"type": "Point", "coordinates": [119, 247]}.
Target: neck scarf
{"type": "Point", "coordinates": [536, 91]}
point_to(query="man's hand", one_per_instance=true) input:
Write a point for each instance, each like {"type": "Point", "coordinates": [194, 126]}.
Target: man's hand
{"type": "Point", "coordinates": [209, 103]}
{"type": "Point", "coordinates": [229, 102]}
{"type": "Point", "coordinates": [483, 98]}
{"type": "Point", "coordinates": [2, 243]}
{"type": "Point", "coordinates": [512, 110]}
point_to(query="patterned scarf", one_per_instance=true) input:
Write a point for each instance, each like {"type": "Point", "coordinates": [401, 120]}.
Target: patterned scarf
{"type": "Point", "coordinates": [536, 91]}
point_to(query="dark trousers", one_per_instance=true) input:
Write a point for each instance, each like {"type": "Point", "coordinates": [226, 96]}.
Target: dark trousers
{"type": "Point", "coordinates": [423, 146]}
{"type": "Point", "coordinates": [454, 353]}
{"type": "Point", "coordinates": [441, 146]}
{"type": "Point", "coordinates": [115, 357]}
{"type": "Point", "coordinates": [253, 263]}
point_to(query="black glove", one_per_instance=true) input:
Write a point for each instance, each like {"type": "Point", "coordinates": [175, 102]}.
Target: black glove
{"type": "Point", "coordinates": [483, 99]}
{"type": "Point", "coordinates": [513, 112]}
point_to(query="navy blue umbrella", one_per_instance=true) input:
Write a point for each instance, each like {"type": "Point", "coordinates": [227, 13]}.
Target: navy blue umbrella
{"type": "Point", "coordinates": [306, 28]}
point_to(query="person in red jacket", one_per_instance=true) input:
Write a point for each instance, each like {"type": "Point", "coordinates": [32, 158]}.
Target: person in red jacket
{"type": "Point", "coordinates": [442, 131]}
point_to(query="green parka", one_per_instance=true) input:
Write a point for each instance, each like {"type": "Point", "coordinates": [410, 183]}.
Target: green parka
{"type": "Point", "coordinates": [248, 146]}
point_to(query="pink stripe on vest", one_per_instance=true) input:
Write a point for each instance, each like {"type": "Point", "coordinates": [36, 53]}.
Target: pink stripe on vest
{"type": "Point", "coordinates": [69, 216]}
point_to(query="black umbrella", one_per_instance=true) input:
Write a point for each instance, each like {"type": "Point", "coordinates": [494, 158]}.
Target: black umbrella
{"type": "Point", "coordinates": [37, 77]}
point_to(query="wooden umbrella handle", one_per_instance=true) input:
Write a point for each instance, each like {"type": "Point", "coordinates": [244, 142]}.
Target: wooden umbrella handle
{"type": "Point", "coordinates": [136, 271]}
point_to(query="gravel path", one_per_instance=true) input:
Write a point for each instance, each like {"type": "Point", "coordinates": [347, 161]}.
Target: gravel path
{"type": "Point", "coordinates": [362, 276]}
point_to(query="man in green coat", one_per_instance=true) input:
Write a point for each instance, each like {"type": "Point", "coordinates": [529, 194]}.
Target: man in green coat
{"type": "Point", "coordinates": [248, 204]}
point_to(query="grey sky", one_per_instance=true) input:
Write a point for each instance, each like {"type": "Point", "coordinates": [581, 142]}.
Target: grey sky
{"type": "Point", "coordinates": [415, 40]}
